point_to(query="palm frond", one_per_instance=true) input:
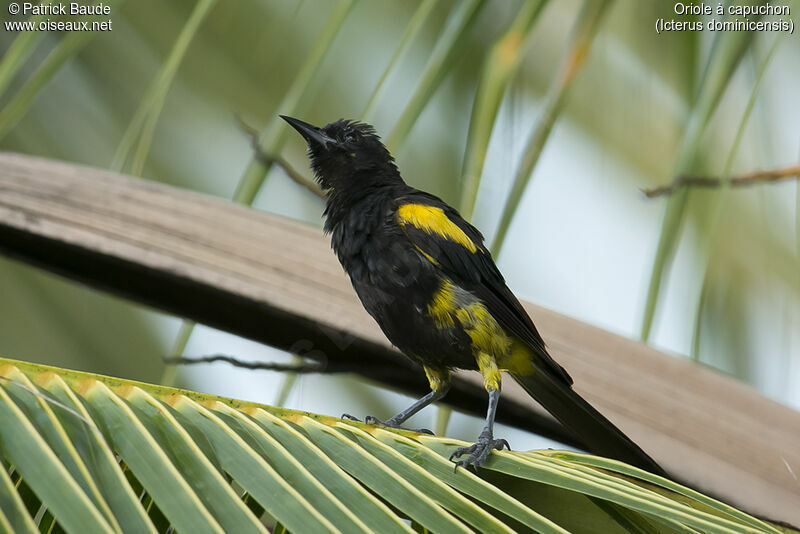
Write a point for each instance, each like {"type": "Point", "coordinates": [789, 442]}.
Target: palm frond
{"type": "Point", "coordinates": [110, 455]}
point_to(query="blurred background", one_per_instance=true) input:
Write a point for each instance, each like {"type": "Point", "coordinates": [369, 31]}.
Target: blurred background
{"type": "Point", "coordinates": [576, 105]}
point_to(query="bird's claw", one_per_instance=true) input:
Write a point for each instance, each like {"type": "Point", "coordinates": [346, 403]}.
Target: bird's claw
{"type": "Point", "coordinates": [479, 451]}
{"type": "Point", "coordinates": [371, 420]}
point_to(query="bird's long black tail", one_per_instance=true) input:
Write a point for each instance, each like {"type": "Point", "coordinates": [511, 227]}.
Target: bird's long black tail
{"type": "Point", "coordinates": [597, 434]}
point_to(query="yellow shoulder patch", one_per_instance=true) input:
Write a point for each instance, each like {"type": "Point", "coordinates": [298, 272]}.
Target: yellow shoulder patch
{"type": "Point", "coordinates": [433, 220]}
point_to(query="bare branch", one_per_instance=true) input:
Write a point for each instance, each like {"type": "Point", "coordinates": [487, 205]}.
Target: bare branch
{"type": "Point", "coordinates": [267, 366]}
{"type": "Point", "coordinates": [268, 159]}
{"type": "Point", "coordinates": [752, 178]}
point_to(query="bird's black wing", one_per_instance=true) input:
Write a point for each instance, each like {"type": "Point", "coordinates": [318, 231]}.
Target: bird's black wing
{"type": "Point", "coordinates": [456, 247]}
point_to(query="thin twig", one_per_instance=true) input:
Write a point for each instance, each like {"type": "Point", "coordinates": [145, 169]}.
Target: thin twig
{"type": "Point", "coordinates": [735, 181]}
{"type": "Point", "coordinates": [268, 366]}
{"type": "Point", "coordinates": [268, 159]}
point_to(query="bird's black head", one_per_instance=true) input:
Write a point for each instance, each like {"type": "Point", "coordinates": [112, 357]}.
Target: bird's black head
{"type": "Point", "coordinates": [347, 154]}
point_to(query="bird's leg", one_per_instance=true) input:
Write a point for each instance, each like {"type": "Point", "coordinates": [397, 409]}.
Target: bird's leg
{"type": "Point", "coordinates": [399, 419]}
{"type": "Point", "coordinates": [479, 451]}
{"type": "Point", "coordinates": [440, 385]}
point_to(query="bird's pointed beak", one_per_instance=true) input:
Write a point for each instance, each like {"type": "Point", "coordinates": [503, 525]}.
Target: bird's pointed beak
{"type": "Point", "coordinates": [310, 133]}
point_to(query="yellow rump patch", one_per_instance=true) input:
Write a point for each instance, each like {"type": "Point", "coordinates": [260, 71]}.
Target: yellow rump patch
{"type": "Point", "coordinates": [493, 348]}
{"type": "Point", "coordinates": [433, 221]}
{"type": "Point", "coordinates": [443, 305]}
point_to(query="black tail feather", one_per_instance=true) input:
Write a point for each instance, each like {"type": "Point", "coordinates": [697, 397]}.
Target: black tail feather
{"type": "Point", "coordinates": [598, 435]}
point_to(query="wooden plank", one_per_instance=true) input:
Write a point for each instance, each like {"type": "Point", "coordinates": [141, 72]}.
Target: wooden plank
{"type": "Point", "coordinates": [275, 280]}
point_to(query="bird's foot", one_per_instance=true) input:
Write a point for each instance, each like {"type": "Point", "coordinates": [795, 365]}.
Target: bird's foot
{"type": "Point", "coordinates": [479, 451]}
{"type": "Point", "coordinates": [389, 423]}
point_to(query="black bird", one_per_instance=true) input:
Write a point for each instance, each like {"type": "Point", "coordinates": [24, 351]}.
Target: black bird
{"type": "Point", "coordinates": [423, 273]}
